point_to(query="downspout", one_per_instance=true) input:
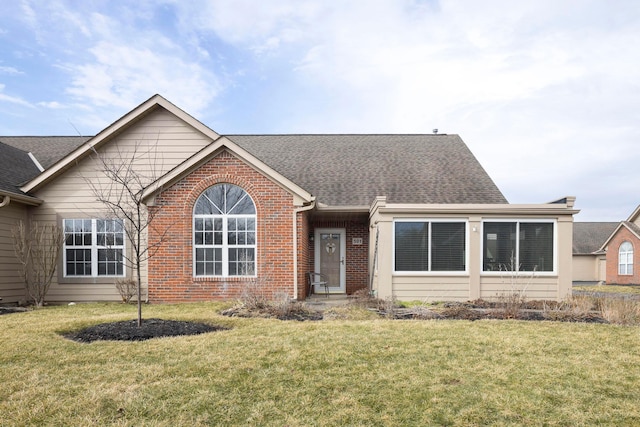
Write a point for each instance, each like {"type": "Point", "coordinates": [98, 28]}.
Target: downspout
{"type": "Point", "coordinates": [5, 201]}
{"type": "Point", "coordinates": [296, 211]}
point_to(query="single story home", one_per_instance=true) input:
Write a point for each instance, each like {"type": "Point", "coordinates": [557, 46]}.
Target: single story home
{"type": "Point", "coordinates": [607, 252]}
{"type": "Point", "coordinates": [414, 217]}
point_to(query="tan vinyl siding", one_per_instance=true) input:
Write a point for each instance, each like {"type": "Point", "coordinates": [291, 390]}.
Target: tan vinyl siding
{"type": "Point", "coordinates": [536, 288]}
{"type": "Point", "coordinates": [585, 268]}
{"type": "Point", "coordinates": [163, 140]}
{"type": "Point", "coordinates": [11, 286]}
{"type": "Point", "coordinates": [424, 288]}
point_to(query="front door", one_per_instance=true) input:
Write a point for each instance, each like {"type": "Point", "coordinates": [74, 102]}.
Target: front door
{"type": "Point", "coordinates": [330, 253]}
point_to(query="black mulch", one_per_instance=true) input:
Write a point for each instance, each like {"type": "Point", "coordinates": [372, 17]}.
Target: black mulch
{"type": "Point", "coordinates": [9, 310]}
{"type": "Point", "coordinates": [129, 330]}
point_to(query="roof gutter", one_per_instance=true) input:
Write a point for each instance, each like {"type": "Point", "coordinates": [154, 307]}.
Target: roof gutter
{"type": "Point", "coordinates": [296, 211]}
{"type": "Point", "coordinates": [8, 197]}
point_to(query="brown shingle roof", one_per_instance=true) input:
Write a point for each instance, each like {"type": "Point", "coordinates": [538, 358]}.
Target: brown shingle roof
{"type": "Point", "coordinates": [16, 167]}
{"type": "Point", "coordinates": [46, 149]}
{"type": "Point", "coordinates": [345, 170]}
{"type": "Point", "coordinates": [588, 237]}
{"type": "Point", "coordinates": [353, 169]}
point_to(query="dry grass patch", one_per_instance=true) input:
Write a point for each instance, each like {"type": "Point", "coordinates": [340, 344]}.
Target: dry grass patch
{"type": "Point", "coordinates": [610, 289]}
{"type": "Point", "coordinates": [341, 372]}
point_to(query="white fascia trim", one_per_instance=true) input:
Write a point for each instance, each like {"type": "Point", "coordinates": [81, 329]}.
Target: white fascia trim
{"type": "Point", "coordinates": [35, 161]}
{"type": "Point", "coordinates": [126, 120]}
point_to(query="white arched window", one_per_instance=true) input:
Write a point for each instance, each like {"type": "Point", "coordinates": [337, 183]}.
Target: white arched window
{"type": "Point", "coordinates": [224, 233]}
{"type": "Point", "coordinates": [625, 259]}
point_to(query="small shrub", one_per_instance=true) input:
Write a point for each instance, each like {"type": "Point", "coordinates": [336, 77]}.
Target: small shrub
{"type": "Point", "coordinates": [127, 289]}
{"type": "Point", "coordinates": [363, 298]}
{"type": "Point", "coordinates": [254, 296]}
{"type": "Point", "coordinates": [621, 311]}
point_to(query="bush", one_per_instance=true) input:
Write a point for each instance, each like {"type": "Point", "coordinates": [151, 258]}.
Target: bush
{"type": "Point", "coordinates": [127, 289]}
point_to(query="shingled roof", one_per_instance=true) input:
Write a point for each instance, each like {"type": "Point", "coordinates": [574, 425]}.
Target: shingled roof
{"type": "Point", "coordinates": [46, 149]}
{"type": "Point", "coordinates": [16, 167]}
{"type": "Point", "coordinates": [588, 237]}
{"type": "Point", "coordinates": [343, 170]}
{"type": "Point", "coordinates": [347, 170]}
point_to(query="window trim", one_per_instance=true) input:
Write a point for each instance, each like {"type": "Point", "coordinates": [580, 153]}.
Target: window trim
{"type": "Point", "coordinates": [94, 248]}
{"type": "Point", "coordinates": [225, 246]}
{"type": "Point", "coordinates": [627, 264]}
{"type": "Point", "coordinates": [517, 221]}
{"type": "Point", "coordinates": [429, 272]}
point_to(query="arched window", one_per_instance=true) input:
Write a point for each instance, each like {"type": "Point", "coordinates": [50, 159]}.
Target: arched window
{"type": "Point", "coordinates": [224, 232]}
{"type": "Point", "coordinates": [625, 259]}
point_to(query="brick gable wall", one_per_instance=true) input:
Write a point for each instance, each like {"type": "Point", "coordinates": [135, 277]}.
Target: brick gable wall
{"type": "Point", "coordinates": [171, 276]}
{"type": "Point", "coordinates": [623, 235]}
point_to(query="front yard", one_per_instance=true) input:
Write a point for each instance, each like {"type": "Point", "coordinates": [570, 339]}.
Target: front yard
{"type": "Point", "coordinates": [333, 372]}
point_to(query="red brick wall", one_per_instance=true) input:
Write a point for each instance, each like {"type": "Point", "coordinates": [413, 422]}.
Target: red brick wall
{"type": "Point", "coordinates": [623, 235]}
{"type": "Point", "coordinates": [357, 255]}
{"type": "Point", "coordinates": [303, 254]}
{"type": "Point", "coordinates": [171, 276]}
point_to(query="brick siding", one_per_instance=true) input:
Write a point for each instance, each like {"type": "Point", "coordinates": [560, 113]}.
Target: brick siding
{"type": "Point", "coordinates": [171, 276]}
{"type": "Point", "coordinates": [623, 235]}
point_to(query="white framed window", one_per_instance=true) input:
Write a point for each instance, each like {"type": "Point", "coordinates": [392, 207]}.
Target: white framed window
{"type": "Point", "coordinates": [224, 233]}
{"type": "Point", "coordinates": [625, 259]}
{"type": "Point", "coordinates": [429, 246]}
{"type": "Point", "coordinates": [518, 245]}
{"type": "Point", "coordinates": [93, 248]}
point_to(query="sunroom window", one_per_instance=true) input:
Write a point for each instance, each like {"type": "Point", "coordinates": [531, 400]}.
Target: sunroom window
{"type": "Point", "coordinates": [518, 246]}
{"type": "Point", "coordinates": [224, 233]}
{"type": "Point", "coordinates": [423, 246]}
{"type": "Point", "coordinates": [93, 248]}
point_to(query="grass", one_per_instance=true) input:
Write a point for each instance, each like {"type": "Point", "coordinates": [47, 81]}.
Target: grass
{"type": "Point", "coordinates": [335, 372]}
{"type": "Point", "coordinates": [609, 289]}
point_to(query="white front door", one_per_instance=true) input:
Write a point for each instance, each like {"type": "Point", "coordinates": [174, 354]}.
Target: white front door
{"type": "Point", "coordinates": [330, 257]}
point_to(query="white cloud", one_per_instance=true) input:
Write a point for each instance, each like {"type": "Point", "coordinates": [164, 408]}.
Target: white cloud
{"type": "Point", "coordinates": [122, 76]}
{"type": "Point", "coordinates": [13, 99]}
{"type": "Point", "coordinates": [52, 105]}
{"type": "Point", "coordinates": [10, 70]}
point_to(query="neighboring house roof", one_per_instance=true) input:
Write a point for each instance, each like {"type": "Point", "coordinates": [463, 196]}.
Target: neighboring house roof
{"type": "Point", "coordinates": [588, 237]}
{"type": "Point", "coordinates": [633, 228]}
{"type": "Point", "coordinates": [16, 167]}
{"type": "Point", "coordinates": [345, 170]}
{"type": "Point", "coordinates": [339, 170]}
{"type": "Point", "coordinates": [46, 149]}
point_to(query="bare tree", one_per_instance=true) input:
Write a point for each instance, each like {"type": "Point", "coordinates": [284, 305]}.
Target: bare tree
{"type": "Point", "coordinates": [123, 177]}
{"type": "Point", "coordinates": [38, 252]}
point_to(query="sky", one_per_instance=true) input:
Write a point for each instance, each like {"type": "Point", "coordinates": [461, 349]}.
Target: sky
{"type": "Point", "coordinates": [545, 93]}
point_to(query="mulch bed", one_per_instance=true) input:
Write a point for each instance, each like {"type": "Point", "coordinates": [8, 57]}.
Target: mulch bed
{"type": "Point", "coordinates": [129, 330]}
{"type": "Point", "coordinates": [9, 310]}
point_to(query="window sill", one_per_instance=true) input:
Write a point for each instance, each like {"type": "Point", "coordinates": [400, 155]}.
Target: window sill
{"type": "Point", "coordinates": [223, 279]}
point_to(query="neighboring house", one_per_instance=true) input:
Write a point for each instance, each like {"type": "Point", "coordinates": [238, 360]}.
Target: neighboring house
{"type": "Point", "coordinates": [414, 217]}
{"type": "Point", "coordinates": [589, 259]}
{"type": "Point", "coordinates": [622, 248]}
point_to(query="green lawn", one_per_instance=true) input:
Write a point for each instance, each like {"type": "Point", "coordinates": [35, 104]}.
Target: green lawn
{"type": "Point", "coordinates": [268, 372]}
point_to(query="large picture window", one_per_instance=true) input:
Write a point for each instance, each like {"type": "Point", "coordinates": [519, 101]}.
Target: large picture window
{"type": "Point", "coordinates": [224, 233]}
{"type": "Point", "coordinates": [518, 246]}
{"type": "Point", "coordinates": [422, 246]}
{"type": "Point", "coordinates": [93, 248]}
{"type": "Point", "coordinates": [625, 259]}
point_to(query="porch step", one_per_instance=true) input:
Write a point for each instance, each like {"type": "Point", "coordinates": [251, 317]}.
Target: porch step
{"type": "Point", "coordinates": [321, 302]}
